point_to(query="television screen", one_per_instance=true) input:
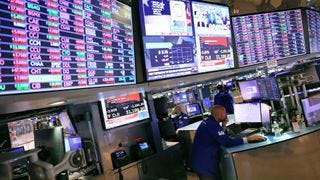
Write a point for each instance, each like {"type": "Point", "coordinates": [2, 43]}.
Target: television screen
{"type": "Point", "coordinates": [21, 134]}
{"type": "Point", "coordinates": [180, 98]}
{"type": "Point", "coordinates": [266, 88]}
{"type": "Point", "coordinates": [61, 45]}
{"type": "Point", "coordinates": [125, 109]}
{"type": "Point", "coordinates": [247, 113]}
{"type": "Point", "coordinates": [313, 19]}
{"type": "Point", "coordinates": [206, 103]}
{"type": "Point", "coordinates": [73, 143]}
{"type": "Point", "coordinates": [193, 109]}
{"type": "Point", "coordinates": [249, 90]}
{"type": "Point", "coordinates": [268, 36]}
{"type": "Point", "coordinates": [311, 109]}
{"type": "Point", "coordinates": [180, 38]}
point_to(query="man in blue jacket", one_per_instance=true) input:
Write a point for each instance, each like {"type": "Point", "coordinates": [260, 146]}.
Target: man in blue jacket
{"type": "Point", "coordinates": [205, 152]}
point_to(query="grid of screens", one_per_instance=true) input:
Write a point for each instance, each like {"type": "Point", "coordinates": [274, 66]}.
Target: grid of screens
{"type": "Point", "coordinates": [183, 37]}
{"type": "Point", "coordinates": [311, 108]}
{"type": "Point", "coordinates": [266, 88]}
{"type": "Point", "coordinates": [268, 36]}
{"type": "Point", "coordinates": [126, 109]}
{"type": "Point", "coordinates": [313, 18]}
{"type": "Point", "coordinates": [247, 113]}
{"type": "Point", "coordinates": [54, 45]}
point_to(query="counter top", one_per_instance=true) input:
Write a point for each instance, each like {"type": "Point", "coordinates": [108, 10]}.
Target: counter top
{"type": "Point", "coordinates": [272, 140]}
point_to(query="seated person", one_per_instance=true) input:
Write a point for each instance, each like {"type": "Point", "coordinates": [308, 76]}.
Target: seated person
{"type": "Point", "coordinates": [209, 137]}
{"type": "Point", "coordinates": [224, 98]}
{"type": "Point", "coordinates": [179, 118]}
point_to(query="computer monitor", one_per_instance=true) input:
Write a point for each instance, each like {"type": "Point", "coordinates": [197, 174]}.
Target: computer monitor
{"type": "Point", "coordinates": [247, 113]}
{"type": "Point", "coordinates": [72, 143]}
{"type": "Point", "coordinates": [180, 98]}
{"type": "Point", "coordinates": [21, 134]}
{"type": "Point", "coordinates": [249, 89]}
{"type": "Point", "coordinates": [66, 123]}
{"type": "Point", "coordinates": [311, 109]}
{"type": "Point", "coordinates": [206, 102]}
{"type": "Point", "coordinates": [193, 109]}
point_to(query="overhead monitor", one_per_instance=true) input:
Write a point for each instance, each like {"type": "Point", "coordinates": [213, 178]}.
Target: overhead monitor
{"type": "Point", "coordinates": [311, 109]}
{"type": "Point", "coordinates": [125, 109]}
{"type": "Point", "coordinates": [184, 38]}
{"type": "Point", "coordinates": [268, 36]}
{"type": "Point", "coordinates": [313, 19]}
{"type": "Point", "coordinates": [193, 109]}
{"type": "Point", "coordinates": [262, 88]}
{"type": "Point", "coordinates": [249, 90]}
{"type": "Point", "coordinates": [247, 113]}
{"type": "Point", "coordinates": [58, 45]}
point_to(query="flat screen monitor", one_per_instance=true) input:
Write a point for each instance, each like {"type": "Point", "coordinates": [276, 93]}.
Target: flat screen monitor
{"type": "Point", "coordinates": [60, 45]}
{"type": "Point", "coordinates": [247, 113]}
{"type": "Point", "coordinates": [124, 109]}
{"type": "Point", "coordinates": [264, 88]}
{"type": "Point", "coordinates": [206, 102]}
{"type": "Point", "coordinates": [193, 109]}
{"type": "Point", "coordinates": [249, 90]}
{"type": "Point", "coordinates": [184, 38]}
{"type": "Point", "coordinates": [21, 134]}
{"type": "Point", "coordinates": [72, 143]}
{"type": "Point", "coordinates": [180, 98]}
{"type": "Point", "coordinates": [311, 109]}
{"type": "Point", "coordinates": [268, 36]}
{"type": "Point", "coordinates": [313, 19]}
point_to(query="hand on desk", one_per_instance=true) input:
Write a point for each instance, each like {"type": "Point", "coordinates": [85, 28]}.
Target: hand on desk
{"type": "Point", "coordinates": [256, 138]}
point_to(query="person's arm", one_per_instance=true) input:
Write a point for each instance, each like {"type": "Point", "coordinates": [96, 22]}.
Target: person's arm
{"type": "Point", "coordinates": [218, 133]}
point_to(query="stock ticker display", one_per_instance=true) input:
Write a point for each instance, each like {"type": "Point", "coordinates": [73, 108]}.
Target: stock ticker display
{"type": "Point", "coordinates": [313, 18]}
{"type": "Point", "coordinates": [268, 36]}
{"type": "Point", "coordinates": [183, 38]}
{"type": "Point", "coordinates": [54, 45]}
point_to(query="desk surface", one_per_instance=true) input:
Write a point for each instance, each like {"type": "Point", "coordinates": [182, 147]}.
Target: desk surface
{"type": "Point", "coordinates": [272, 140]}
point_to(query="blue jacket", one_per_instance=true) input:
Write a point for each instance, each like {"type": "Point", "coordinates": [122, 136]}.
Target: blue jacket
{"type": "Point", "coordinates": [205, 152]}
{"type": "Point", "coordinates": [225, 99]}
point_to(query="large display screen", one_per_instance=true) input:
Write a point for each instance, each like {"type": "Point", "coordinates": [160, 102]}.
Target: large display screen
{"type": "Point", "coordinates": [268, 36]}
{"type": "Point", "coordinates": [266, 88]}
{"type": "Point", "coordinates": [311, 108]}
{"type": "Point", "coordinates": [183, 38]}
{"type": "Point", "coordinates": [126, 109]}
{"type": "Point", "coordinates": [313, 18]}
{"type": "Point", "coordinates": [55, 45]}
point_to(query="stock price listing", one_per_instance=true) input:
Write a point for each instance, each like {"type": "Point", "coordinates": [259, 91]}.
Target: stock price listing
{"type": "Point", "coordinates": [54, 45]}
